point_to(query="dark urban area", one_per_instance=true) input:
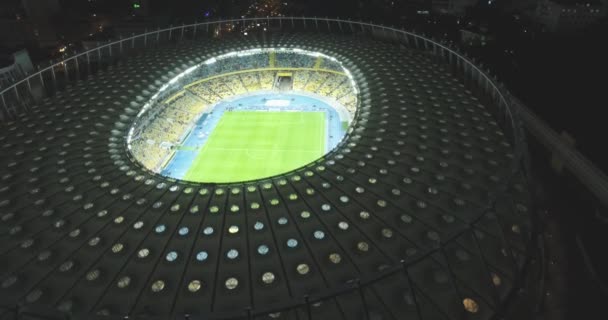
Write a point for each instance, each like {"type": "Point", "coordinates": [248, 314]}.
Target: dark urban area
{"type": "Point", "coordinates": [536, 69]}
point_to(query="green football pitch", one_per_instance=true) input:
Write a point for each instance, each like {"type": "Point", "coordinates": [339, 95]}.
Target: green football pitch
{"type": "Point", "coordinates": [247, 145]}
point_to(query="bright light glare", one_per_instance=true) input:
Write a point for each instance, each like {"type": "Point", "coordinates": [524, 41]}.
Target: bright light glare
{"type": "Point", "coordinates": [277, 103]}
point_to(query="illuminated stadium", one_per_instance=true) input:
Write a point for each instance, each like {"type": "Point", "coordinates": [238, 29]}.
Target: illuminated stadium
{"type": "Point", "coordinates": [280, 168]}
{"type": "Point", "coordinates": [200, 126]}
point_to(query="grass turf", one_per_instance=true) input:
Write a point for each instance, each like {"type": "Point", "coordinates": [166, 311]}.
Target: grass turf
{"type": "Point", "coordinates": [247, 145]}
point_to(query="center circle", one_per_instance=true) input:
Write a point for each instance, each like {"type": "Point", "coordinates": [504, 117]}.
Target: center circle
{"type": "Point", "coordinates": [245, 116]}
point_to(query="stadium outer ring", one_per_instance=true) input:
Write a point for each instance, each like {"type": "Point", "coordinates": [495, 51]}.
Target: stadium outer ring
{"type": "Point", "coordinates": [17, 98]}
{"type": "Point", "coordinates": [21, 96]}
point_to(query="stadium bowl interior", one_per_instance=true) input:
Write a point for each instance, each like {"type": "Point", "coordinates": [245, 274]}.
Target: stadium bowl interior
{"type": "Point", "coordinates": [206, 124]}
{"type": "Point", "coordinates": [416, 214]}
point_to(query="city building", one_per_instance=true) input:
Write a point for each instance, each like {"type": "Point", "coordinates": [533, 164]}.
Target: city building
{"type": "Point", "coordinates": [566, 16]}
{"type": "Point", "coordinates": [40, 15]}
{"type": "Point", "coordinates": [475, 36]}
{"type": "Point", "coordinates": [41, 9]}
{"type": "Point", "coordinates": [28, 22]}
{"type": "Point", "coordinates": [452, 7]}
{"type": "Point", "coordinates": [14, 66]}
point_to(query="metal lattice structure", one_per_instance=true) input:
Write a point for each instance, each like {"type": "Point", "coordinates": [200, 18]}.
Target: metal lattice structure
{"type": "Point", "coordinates": [423, 211]}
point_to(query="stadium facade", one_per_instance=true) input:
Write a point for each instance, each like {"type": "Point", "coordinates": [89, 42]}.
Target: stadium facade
{"type": "Point", "coordinates": [422, 211]}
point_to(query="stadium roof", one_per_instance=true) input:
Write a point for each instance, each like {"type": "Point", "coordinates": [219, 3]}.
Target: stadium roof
{"type": "Point", "coordinates": [418, 210]}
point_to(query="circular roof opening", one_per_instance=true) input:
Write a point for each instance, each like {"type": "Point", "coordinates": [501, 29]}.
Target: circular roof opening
{"type": "Point", "coordinates": [245, 116]}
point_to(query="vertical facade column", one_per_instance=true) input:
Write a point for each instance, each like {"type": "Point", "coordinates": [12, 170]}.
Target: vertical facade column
{"type": "Point", "coordinates": [41, 78]}
{"type": "Point", "coordinates": [145, 37]}
{"type": "Point", "coordinates": [17, 93]}
{"type": "Point", "coordinates": [195, 28]}
{"type": "Point", "coordinates": [4, 104]}
{"type": "Point", "coordinates": [157, 35]}
{"type": "Point", "coordinates": [65, 71]}
{"type": "Point", "coordinates": [170, 31]}
{"type": "Point", "coordinates": [363, 301]}
{"type": "Point", "coordinates": [20, 103]}
{"type": "Point", "coordinates": [77, 68]}
{"type": "Point", "coordinates": [88, 64]}
{"type": "Point", "coordinates": [450, 58]}
{"type": "Point", "coordinates": [487, 84]}
{"type": "Point", "coordinates": [54, 77]}
{"type": "Point", "coordinates": [292, 23]}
